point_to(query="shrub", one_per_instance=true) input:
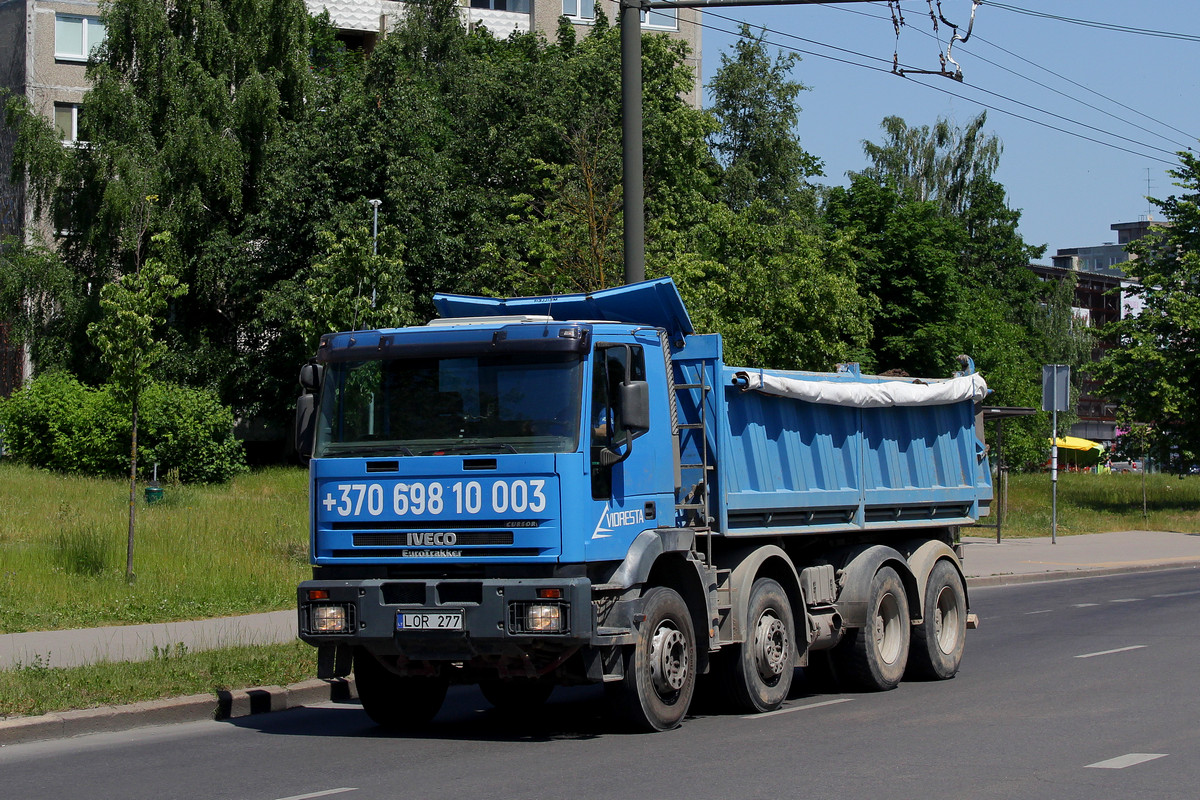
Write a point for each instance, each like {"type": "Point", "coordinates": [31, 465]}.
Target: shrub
{"type": "Point", "coordinates": [189, 430]}
{"type": "Point", "coordinates": [55, 422]}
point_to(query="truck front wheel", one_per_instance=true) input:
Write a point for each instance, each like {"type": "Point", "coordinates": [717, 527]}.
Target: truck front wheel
{"type": "Point", "coordinates": [874, 656]}
{"type": "Point", "coordinates": [660, 669]}
{"type": "Point", "coordinates": [937, 644]}
{"type": "Point", "coordinates": [396, 702]}
{"type": "Point", "coordinates": [759, 671]}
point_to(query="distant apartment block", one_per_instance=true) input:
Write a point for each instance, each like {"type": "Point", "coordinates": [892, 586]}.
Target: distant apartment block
{"type": "Point", "coordinates": [1101, 297]}
{"type": "Point", "coordinates": [362, 22]}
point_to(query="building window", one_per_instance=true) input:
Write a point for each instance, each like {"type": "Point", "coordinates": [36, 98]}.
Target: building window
{"type": "Point", "coordinates": [517, 6]}
{"type": "Point", "coordinates": [661, 18]}
{"type": "Point", "coordinates": [579, 9]}
{"type": "Point", "coordinates": [66, 121]}
{"type": "Point", "coordinates": [76, 37]}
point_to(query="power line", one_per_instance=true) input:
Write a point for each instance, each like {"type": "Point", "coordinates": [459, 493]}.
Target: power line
{"type": "Point", "coordinates": [945, 91]}
{"type": "Point", "coordinates": [1108, 26]}
{"type": "Point", "coordinates": [1049, 71]}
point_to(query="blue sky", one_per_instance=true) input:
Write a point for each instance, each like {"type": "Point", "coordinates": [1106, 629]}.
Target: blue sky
{"type": "Point", "coordinates": [1069, 189]}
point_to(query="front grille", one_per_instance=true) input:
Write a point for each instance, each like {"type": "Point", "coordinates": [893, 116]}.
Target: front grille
{"type": "Point", "coordinates": [465, 539]}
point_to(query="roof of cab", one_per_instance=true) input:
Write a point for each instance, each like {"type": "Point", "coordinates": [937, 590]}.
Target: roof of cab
{"type": "Point", "coordinates": [655, 303]}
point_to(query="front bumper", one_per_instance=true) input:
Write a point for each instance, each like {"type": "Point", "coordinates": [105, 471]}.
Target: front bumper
{"type": "Point", "coordinates": [495, 616]}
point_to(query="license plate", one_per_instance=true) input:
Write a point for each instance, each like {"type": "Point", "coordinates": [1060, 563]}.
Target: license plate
{"type": "Point", "coordinates": [429, 619]}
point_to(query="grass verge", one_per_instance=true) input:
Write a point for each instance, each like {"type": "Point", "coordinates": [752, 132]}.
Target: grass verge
{"type": "Point", "coordinates": [202, 552]}
{"type": "Point", "coordinates": [32, 689]}
{"type": "Point", "coordinates": [1101, 503]}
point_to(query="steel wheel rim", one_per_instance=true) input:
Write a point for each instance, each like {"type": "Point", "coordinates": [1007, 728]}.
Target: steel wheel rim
{"type": "Point", "coordinates": [887, 628]}
{"type": "Point", "coordinates": [669, 661]}
{"type": "Point", "coordinates": [771, 646]}
{"type": "Point", "coordinates": [946, 620]}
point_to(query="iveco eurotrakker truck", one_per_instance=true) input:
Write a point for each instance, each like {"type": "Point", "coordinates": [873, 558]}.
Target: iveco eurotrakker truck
{"type": "Point", "coordinates": [577, 489]}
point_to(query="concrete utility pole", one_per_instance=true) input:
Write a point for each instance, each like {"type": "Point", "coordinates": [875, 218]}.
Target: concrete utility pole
{"type": "Point", "coordinates": [631, 113]}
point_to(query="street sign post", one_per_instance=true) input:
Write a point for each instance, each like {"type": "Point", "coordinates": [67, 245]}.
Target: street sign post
{"type": "Point", "coordinates": [1056, 396]}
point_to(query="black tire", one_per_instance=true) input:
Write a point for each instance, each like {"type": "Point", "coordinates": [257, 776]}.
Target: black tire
{"type": "Point", "coordinates": [874, 657]}
{"type": "Point", "coordinates": [395, 702]}
{"type": "Point", "coordinates": [660, 669]}
{"type": "Point", "coordinates": [516, 694]}
{"type": "Point", "coordinates": [759, 671]}
{"type": "Point", "coordinates": [937, 644]}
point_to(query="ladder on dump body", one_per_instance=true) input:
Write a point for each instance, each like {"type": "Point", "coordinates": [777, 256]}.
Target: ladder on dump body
{"type": "Point", "coordinates": [693, 502]}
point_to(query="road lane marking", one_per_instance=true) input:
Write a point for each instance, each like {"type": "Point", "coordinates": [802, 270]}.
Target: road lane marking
{"type": "Point", "coordinates": [325, 793]}
{"type": "Point", "coordinates": [798, 708]}
{"type": "Point", "coordinates": [1127, 600]}
{"type": "Point", "coordinates": [1110, 652]}
{"type": "Point", "coordinates": [1084, 605]}
{"type": "Point", "coordinates": [1128, 760]}
{"type": "Point", "coordinates": [1178, 594]}
{"type": "Point", "coordinates": [1045, 611]}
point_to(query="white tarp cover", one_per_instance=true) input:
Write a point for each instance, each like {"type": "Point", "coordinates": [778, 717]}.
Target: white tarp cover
{"type": "Point", "coordinates": [882, 394]}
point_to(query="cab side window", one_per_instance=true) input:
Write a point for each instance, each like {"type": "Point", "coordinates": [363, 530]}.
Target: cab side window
{"type": "Point", "coordinates": [611, 366]}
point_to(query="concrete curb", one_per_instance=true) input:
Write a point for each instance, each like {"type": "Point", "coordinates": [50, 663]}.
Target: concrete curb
{"type": "Point", "coordinates": [223, 705]}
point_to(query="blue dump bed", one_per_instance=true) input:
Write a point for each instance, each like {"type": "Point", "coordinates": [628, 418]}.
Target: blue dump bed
{"type": "Point", "coordinates": [839, 462]}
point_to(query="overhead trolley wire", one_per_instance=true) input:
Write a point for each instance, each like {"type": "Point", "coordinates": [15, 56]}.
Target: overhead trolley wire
{"type": "Point", "coordinates": [1114, 101]}
{"type": "Point", "coordinates": [1107, 26]}
{"type": "Point", "coordinates": [941, 89]}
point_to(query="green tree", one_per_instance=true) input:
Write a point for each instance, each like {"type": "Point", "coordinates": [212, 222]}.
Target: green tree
{"type": "Point", "coordinates": [938, 163]}
{"type": "Point", "coordinates": [39, 297]}
{"type": "Point", "coordinates": [1152, 368]}
{"type": "Point", "coordinates": [754, 102]}
{"type": "Point", "coordinates": [187, 100]}
{"type": "Point", "coordinates": [133, 309]}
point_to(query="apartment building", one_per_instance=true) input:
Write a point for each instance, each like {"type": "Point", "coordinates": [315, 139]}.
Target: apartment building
{"type": "Point", "coordinates": [1101, 297]}
{"type": "Point", "coordinates": [362, 22]}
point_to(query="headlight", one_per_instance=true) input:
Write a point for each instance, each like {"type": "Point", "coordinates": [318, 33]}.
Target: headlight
{"type": "Point", "coordinates": [329, 619]}
{"type": "Point", "coordinates": [544, 618]}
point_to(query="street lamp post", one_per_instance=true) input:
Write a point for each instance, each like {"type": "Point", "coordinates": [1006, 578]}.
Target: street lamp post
{"type": "Point", "coordinates": [375, 204]}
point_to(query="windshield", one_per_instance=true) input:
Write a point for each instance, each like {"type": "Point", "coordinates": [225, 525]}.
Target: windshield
{"type": "Point", "coordinates": [510, 403]}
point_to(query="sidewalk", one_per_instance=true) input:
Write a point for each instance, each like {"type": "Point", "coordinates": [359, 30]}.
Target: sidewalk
{"type": "Point", "coordinates": [986, 564]}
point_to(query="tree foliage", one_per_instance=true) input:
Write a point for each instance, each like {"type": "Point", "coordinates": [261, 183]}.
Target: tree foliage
{"type": "Point", "coordinates": [1153, 367]}
{"type": "Point", "coordinates": [754, 102]}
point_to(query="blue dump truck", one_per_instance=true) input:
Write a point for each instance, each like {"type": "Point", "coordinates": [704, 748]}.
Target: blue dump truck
{"type": "Point", "coordinates": [576, 489]}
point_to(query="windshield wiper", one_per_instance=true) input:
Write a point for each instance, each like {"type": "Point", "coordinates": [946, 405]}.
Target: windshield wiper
{"type": "Point", "coordinates": [476, 447]}
{"type": "Point", "coordinates": [374, 449]}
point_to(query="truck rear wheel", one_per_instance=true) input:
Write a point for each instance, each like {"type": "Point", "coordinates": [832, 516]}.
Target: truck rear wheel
{"type": "Point", "coordinates": [396, 702]}
{"type": "Point", "coordinates": [937, 644]}
{"type": "Point", "coordinates": [759, 671]}
{"type": "Point", "coordinates": [516, 694]}
{"type": "Point", "coordinates": [874, 656]}
{"type": "Point", "coordinates": [660, 668]}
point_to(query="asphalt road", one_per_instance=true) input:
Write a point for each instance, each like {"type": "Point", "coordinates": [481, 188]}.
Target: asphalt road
{"type": "Point", "coordinates": [1075, 689]}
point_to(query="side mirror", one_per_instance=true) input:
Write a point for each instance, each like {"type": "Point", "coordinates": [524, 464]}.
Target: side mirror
{"type": "Point", "coordinates": [311, 377]}
{"type": "Point", "coordinates": [305, 432]}
{"type": "Point", "coordinates": [635, 406]}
